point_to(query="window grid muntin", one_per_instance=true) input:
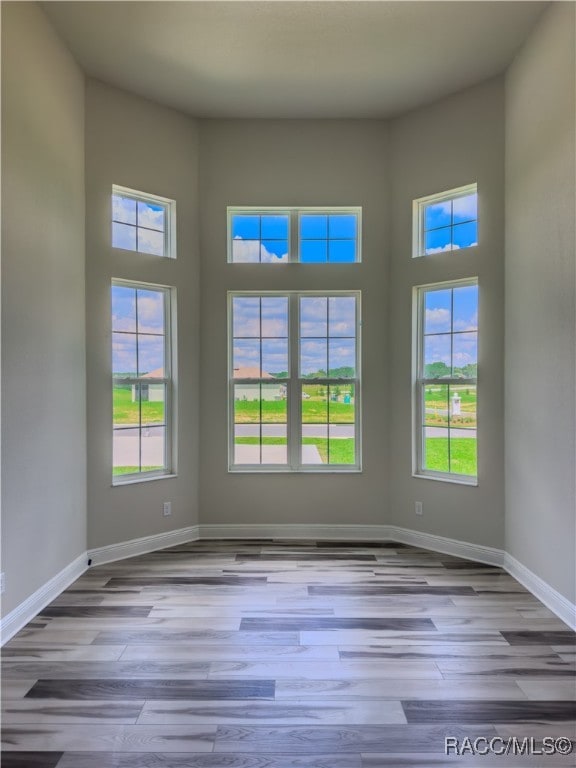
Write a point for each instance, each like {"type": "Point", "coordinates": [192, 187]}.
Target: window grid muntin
{"type": "Point", "coordinates": [139, 381]}
{"type": "Point", "coordinates": [419, 219]}
{"type": "Point", "coordinates": [422, 382]}
{"type": "Point", "coordinates": [169, 218]}
{"type": "Point", "coordinates": [294, 240]}
{"type": "Point", "coordinates": [294, 387]}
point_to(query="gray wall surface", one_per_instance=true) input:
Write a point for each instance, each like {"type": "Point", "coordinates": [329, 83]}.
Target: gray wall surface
{"type": "Point", "coordinates": [43, 341]}
{"type": "Point", "coordinates": [137, 144]}
{"type": "Point", "coordinates": [540, 302]}
{"type": "Point", "coordinates": [292, 162]}
{"type": "Point", "coordinates": [457, 141]}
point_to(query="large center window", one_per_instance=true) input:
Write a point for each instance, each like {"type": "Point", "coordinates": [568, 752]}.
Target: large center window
{"type": "Point", "coordinates": [294, 381]}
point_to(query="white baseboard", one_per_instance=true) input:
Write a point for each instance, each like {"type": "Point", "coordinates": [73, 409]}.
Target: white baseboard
{"type": "Point", "coordinates": [464, 549]}
{"type": "Point", "coordinates": [133, 547]}
{"type": "Point", "coordinates": [295, 531]}
{"type": "Point", "coordinates": [551, 598]}
{"type": "Point", "coordinates": [31, 607]}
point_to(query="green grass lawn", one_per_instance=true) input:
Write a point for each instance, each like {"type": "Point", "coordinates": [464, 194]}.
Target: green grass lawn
{"type": "Point", "coordinates": [274, 412]}
{"type": "Point", "coordinates": [341, 448]}
{"type": "Point", "coordinates": [462, 455]}
{"type": "Point", "coordinates": [132, 470]}
{"type": "Point", "coordinates": [126, 412]}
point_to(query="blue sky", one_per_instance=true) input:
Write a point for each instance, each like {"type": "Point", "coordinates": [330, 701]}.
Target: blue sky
{"type": "Point", "coordinates": [150, 338]}
{"type": "Point", "coordinates": [451, 224]}
{"type": "Point", "coordinates": [320, 338]}
{"type": "Point", "coordinates": [441, 318]}
{"type": "Point", "coordinates": [131, 217]}
{"type": "Point", "coordinates": [323, 237]}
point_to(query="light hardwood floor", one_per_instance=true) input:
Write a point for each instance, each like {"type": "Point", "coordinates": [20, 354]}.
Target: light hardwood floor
{"type": "Point", "coordinates": [271, 654]}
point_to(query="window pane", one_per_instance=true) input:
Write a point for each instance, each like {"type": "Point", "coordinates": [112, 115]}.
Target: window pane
{"type": "Point", "coordinates": [275, 316]}
{"type": "Point", "coordinates": [341, 406]}
{"type": "Point", "coordinates": [342, 251]}
{"type": "Point", "coordinates": [151, 216]}
{"type": "Point", "coordinates": [313, 316]}
{"type": "Point", "coordinates": [465, 354]}
{"type": "Point", "coordinates": [466, 308]}
{"type": "Point", "coordinates": [247, 407]}
{"type": "Point", "coordinates": [341, 447]}
{"type": "Point", "coordinates": [124, 355]}
{"type": "Point", "coordinates": [150, 311]}
{"type": "Point", "coordinates": [151, 356]}
{"type": "Point", "coordinates": [438, 312]}
{"type": "Point", "coordinates": [314, 358]}
{"type": "Point", "coordinates": [245, 227]}
{"type": "Point", "coordinates": [152, 404]}
{"type": "Point", "coordinates": [465, 208]}
{"type": "Point", "coordinates": [152, 446]}
{"type": "Point", "coordinates": [342, 316]}
{"type": "Point", "coordinates": [436, 409]}
{"type": "Point", "coordinates": [246, 251]}
{"type": "Point", "coordinates": [465, 235]}
{"type": "Point", "coordinates": [123, 308]}
{"type": "Point", "coordinates": [124, 236]}
{"type": "Point", "coordinates": [438, 240]}
{"type": "Point", "coordinates": [274, 251]}
{"type": "Point", "coordinates": [246, 316]}
{"type": "Point", "coordinates": [274, 444]}
{"type": "Point", "coordinates": [438, 215]}
{"type": "Point", "coordinates": [342, 358]}
{"type": "Point", "coordinates": [150, 242]}
{"type": "Point", "coordinates": [246, 359]}
{"type": "Point", "coordinates": [123, 209]}
{"type": "Point", "coordinates": [274, 404]}
{"type": "Point", "coordinates": [126, 433]}
{"type": "Point", "coordinates": [313, 226]}
{"type": "Point", "coordinates": [314, 404]}
{"type": "Point", "coordinates": [313, 251]}
{"type": "Point", "coordinates": [275, 227]}
{"type": "Point", "coordinates": [275, 357]}
{"type": "Point", "coordinates": [342, 225]}
{"type": "Point", "coordinates": [436, 457]}
{"type": "Point", "coordinates": [463, 460]}
{"type": "Point", "coordinates": [437, 358]}
{"type": "Point", "coordinates": [463, 406]}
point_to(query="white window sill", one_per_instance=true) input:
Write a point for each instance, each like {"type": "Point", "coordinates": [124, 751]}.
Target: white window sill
{"type": "Point", "coordinates": [454, 479]}
{"type": "Point", "coordinates": [134, 480]}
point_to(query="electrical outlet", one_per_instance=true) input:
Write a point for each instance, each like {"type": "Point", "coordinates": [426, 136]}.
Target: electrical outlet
{"type": "Point", "coordinates": [418, 508]}
{"type": "Point", "coordinates": [2, 582]}
{"type": "Point", "coordinates": [167, 508]}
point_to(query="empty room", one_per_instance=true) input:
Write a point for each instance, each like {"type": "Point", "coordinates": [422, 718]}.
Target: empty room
{"type": "Point", "coordinates": [288, 384]}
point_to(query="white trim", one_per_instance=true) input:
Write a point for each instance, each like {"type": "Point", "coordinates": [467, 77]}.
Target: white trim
{"type": "Point", "coordinates": [295, 531]}
{"type": "Point", "coordinates": [551, 598]}
{"type": "Point", "coordinates": [133, 547]}
{"type": "Point", "coordinates": [455, 547]}
{"type": "Point", "coordinates": [31, 607]}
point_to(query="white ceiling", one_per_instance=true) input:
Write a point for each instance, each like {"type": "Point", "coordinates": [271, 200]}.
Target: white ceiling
{"type": "Point", "coordinates": [294, 58]}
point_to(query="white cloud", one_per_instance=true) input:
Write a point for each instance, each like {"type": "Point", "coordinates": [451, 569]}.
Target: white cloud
{"type": "Point", "coordinates": [437, 320]}
{"type": "Point", "coordinates": [123, 209]}
{"type": "Point", "coordinates": [252, 252]}
{"type": "Point", "coordinates": [149, 217]}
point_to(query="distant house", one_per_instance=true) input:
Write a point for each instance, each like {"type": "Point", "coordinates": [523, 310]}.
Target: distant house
{"type": "Point", "coordinates": [150, 393]}
{"type": "Point", "coordinates": [247, 391]}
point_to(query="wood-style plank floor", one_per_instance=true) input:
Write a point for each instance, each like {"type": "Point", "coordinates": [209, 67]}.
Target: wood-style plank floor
{"type": "Point", "coordinates": [277, 654]}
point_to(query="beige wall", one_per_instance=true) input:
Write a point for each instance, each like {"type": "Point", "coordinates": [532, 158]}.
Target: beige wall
{"type": "Point", "coordinates": [540, 302]}
{"type": "Point", "coordinates": [137, 144]}
{"type": "Point", "coordinates": [289, 162]}
{"type": "Point", "coordinates": [456, 141]}
{"type": "Point", "coordinates": [43, 342]}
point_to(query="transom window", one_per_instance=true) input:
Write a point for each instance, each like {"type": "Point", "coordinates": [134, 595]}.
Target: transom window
{"type": "Point", "coordinates": [294, 381]}
{"type": "Point", "coordinates": [307, 235]}
{"type": "Point", "coordinates": [446, 222]}
{"type": "Point", "coordinates": [143, 222]}
{"type": "Point", "coordinates": [446, 380]}
{"type": "Point", "coordinates": [142, 383]}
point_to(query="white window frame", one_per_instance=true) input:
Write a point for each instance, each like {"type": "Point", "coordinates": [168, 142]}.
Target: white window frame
{"type": "Point", "coordinates": [418, 220]}
{"type": "Point", "coordinates": [169, 469]}
{"type": "Point", "coordinates": [169, 219]}
{"type": "Point", "coordinates": [294, 213]}
{"type": "Point", "coordinates": [419, 383]}
{"type": "Point", "coordinates": [294, 387]}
